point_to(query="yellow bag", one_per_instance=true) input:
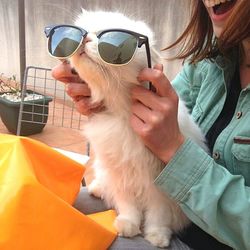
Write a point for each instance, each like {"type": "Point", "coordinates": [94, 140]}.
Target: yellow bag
{"type": "Point", "coordinates": [38, 185]}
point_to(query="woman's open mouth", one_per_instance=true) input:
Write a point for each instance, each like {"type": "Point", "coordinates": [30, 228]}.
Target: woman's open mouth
{"type": "Point", "coordinates": [220, 7]}
{"type": "Point", "coordinates": [219, 10]}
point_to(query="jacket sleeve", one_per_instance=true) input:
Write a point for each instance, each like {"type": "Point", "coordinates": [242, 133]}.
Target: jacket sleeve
{"type": "Point", "coordinates": [213, 198]}
{"type": "Point", "coordinates": [187, 85]}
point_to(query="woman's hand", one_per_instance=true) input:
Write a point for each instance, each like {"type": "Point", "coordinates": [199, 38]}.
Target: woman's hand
{"type": "Point", "coordinates": [154, 115]}
{"type": "Point", "coordinates": [77, 89]}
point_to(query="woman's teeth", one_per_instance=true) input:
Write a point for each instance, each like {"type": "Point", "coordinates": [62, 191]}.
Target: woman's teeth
{"type": "Point", "coordinates": [212, 3]}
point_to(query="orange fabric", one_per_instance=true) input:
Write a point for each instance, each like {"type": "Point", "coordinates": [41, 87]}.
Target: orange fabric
{"type": "Point", "coordinates": [37, 188]}
{"type": "Point", "coordinates": [106, 219]}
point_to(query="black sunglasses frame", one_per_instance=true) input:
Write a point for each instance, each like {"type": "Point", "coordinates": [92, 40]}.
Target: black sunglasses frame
{"type": "Point", "coordinates": [142, 39]}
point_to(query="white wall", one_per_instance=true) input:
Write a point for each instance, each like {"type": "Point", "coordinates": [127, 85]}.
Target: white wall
{"type": "Point", "coordinates": [167, 18]}
{"type": "Point", "coordinates": [9, 38]}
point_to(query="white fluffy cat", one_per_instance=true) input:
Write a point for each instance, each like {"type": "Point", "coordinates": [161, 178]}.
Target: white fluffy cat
{"type": "Point", "coordinates": [124, 168]}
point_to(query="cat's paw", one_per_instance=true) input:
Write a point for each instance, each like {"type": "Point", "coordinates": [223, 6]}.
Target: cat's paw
{"type": "Point", "coordinates": [158, 238]}
{"type": "Point", "coordinates": [125, 227]}
{"type": "Point", "coordinates": [94, 188]}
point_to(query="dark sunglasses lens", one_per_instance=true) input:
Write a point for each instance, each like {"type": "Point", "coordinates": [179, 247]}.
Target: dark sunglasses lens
{"type": "Point", "coordinates": [64, 41]}
{"type": "Point", "coordinates": [117, 47]}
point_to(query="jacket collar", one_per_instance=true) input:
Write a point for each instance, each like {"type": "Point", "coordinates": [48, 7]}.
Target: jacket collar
{"type": "Point", "coordinates": [227, 62]}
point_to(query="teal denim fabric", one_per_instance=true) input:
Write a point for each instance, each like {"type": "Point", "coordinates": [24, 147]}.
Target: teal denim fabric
{"type": "Point", "coordinates": [214, 190]}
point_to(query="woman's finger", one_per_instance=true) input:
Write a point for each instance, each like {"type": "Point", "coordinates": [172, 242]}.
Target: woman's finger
{"type": "Point", "coordinates": [77, 89]}
{"type": "Point", "coordinates": [149, 98]}
{"type": "Point", "coordinates": [159, 67]}
{"type": "Point", "coordinates": [85, 107]}
{"type": "Point", "coordinates": [64, 72]}
{"type": "Point", "coordinates": [158, 79]}
{"type": "Point", "coordinates": [141, 111]}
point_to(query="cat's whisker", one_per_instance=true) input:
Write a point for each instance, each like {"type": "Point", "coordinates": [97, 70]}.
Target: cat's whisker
{"type": "Point", "coordinates": [104, 72]}
{"type": "Point", "coordinates": [115, 76]}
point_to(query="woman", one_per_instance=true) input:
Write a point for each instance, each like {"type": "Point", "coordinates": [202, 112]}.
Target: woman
{"type": "Point", "coordinates": [213, 190]}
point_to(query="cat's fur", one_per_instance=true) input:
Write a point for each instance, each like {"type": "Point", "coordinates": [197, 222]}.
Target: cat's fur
{"type": "Point", "coordinates": [124, 168]}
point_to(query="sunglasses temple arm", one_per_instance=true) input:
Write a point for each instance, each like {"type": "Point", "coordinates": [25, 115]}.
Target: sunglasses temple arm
{"type": "Point", "coordinates": [151, 87]}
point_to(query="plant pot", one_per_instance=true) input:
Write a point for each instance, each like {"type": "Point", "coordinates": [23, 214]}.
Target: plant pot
{"type": "Point", "coordinates": [34, 114]}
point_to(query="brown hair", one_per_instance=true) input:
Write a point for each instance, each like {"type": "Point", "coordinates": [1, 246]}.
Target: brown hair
{"type": "Point", "coordinates": [198, 41]}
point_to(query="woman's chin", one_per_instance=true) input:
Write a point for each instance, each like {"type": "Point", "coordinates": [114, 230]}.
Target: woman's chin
{"type": "Point", "coordinates": [217, 30]}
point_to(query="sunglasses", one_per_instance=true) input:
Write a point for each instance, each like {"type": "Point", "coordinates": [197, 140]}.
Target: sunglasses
{"type": "Point", "coordinates": [115, 46]}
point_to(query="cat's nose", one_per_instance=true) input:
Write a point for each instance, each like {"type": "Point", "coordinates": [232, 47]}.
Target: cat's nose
{"type": "Point", "coordinates": [87, 39]}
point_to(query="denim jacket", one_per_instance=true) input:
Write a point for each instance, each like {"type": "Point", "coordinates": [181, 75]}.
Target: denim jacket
{"type": "Point", "coordinates": [213, 191]}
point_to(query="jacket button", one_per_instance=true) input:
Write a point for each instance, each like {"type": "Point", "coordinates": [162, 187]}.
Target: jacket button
{"type": "Point", "coordinates": [216, 155]}
{"type": "Point", "coordinates": [239, 115]}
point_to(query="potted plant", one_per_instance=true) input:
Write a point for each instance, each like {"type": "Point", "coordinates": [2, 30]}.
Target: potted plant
{"type": "Point", "coordinates": [34, 107]}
